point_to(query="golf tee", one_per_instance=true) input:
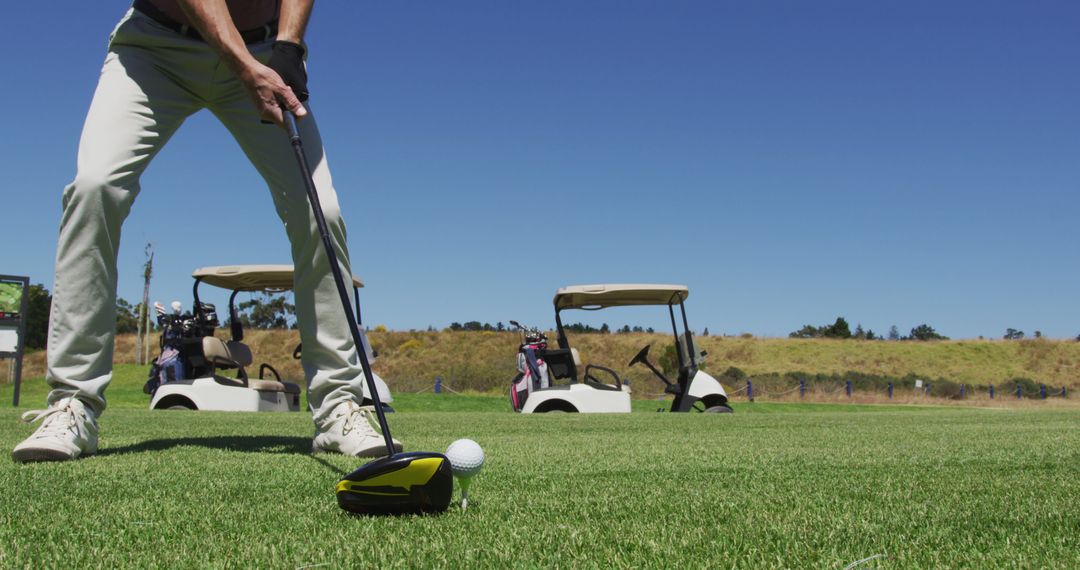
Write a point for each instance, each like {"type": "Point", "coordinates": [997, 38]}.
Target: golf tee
{"type": "Point", "coordinates": [464, 482]}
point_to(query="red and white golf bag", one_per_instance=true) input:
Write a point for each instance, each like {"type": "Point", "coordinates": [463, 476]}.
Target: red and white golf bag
{"type": "Point", "coordinates": [532, 370]}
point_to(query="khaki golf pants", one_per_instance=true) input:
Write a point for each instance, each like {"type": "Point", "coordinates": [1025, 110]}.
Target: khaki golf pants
{"type": "Point", "coordinates": [152, 80]}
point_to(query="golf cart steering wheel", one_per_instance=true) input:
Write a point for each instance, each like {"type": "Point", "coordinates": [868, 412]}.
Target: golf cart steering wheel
{"type": "Point", "coordinates": [642, 355]}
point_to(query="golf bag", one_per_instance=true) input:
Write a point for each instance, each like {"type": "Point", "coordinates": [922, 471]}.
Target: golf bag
{"type": "Point", "coordinates": [532, 370]}
{"type": "Point", "coordinates": [181, 344]}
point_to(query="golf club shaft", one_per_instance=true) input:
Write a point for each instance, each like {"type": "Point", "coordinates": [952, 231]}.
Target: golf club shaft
{"type": "Point", "coordinates": [339, 280]}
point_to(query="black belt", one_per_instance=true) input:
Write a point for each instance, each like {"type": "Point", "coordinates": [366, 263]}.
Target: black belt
{"type": "Point", "coordinates": [250, 36]}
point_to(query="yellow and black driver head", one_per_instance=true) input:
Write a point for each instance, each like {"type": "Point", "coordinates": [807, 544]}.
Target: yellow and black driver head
{"type": "Point", "coordinates": [403, 483]}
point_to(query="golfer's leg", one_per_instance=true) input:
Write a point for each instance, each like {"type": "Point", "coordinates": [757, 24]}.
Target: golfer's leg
{"type": "Point", "coordinates": [135, 109]}
{"type": "Point", "coordinates": [329, 360]}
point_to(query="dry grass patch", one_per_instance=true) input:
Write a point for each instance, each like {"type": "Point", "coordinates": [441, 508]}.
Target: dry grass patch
{"type": "Point", "coordinates": [485, 361]}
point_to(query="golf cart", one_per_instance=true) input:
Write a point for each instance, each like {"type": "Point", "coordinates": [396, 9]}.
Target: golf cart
{"type": "Point", "coordinates": [190, 373]}
{"type": "Point", "coordinates": [693, 389]}
{"type": "Point", "coordinates": [533, 389]}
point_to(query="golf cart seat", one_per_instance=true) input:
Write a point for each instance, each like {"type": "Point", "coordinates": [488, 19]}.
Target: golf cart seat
{"type": "Point", "coordinates": [562, 362]}
{"type": "Point", "coordinates": [272, 386]}
{"type": "Point", "coordinates": [235, 354]}
{"type": "Point", "coordinates": [223, 354]}
{"type": "Point", "coordinates": [588, 380]}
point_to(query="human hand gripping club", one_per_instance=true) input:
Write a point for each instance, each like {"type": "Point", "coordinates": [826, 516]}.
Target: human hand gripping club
{"type": "Point", "coordinates": [277, 96]}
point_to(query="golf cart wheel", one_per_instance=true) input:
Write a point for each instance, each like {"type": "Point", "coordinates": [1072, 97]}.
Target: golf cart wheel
{"type": "Point", "coordinates": [719, 410]}
{"type": "Point", "coordinates": [555, 407]}
{"type": "Point", "coordinates": [178, 407]}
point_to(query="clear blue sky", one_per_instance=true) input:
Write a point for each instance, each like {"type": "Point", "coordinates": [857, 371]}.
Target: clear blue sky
{"type": "Point", "coordinates": [894, 163]}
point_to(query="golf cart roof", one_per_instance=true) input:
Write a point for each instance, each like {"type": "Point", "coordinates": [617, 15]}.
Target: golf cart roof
{"type": "Point", "coordinates": [252, 277]}
{"type": "Point", "coordinates": [617, 295]}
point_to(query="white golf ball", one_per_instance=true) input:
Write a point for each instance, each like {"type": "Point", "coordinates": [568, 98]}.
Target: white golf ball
{"type": "Point", "coordinates": [466, 457]}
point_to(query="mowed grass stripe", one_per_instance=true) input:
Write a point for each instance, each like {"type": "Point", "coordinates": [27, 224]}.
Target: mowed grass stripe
{"type": "Point", "coordinates": [814, 486]}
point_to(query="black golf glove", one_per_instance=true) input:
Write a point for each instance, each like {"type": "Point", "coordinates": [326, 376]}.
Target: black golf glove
{"type": "Point", "coordinates": [287, 59]}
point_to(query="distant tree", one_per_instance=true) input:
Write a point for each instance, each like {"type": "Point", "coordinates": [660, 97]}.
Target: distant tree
{"type": "Point", "coordinates": [894, 333]}
{"type": "Point", "coordinates": [265, 311]}
{"type": "Point", "coordinates": [639, 329]}
{"type": "Point", "coordinates": [870, 335]}
{"type": "Point", "coordinates": [1038, 334]}
{"type": "Point", "coordinates": [926, 332]}
{"type": "Point", "coordinates": [500, 327]}
{"type": "Point", "coordinates": [38, 306]}
{"type": "Point", "coordinates": [649, 330]}
{"type": "Point", "coordinates": [138, 310]}
{"type": "Point", "coordinates": [1013, 334]}
{"type": "Point", "coordinates": [488, 327]}
{"type": "Point", "coordinates": [583, 328]}
{"type": "Point", "coordinates": [473, 326]}
{"type": "Point", "coordinates": [625, 329]}
{"type": "Point", "coordinates": [808, 331]}
{"type": "Point", "coordinates": [859, 333]}
{"type": "Point", "coordinates": [142, 314]}
{"type": "Point", "coordinates": [705, 332]}
{"type": "Point", "coordinates": [127, 320]}
{"type": "Point", "coordinates": [456, 326]}
{"type": "Point", "coordinates": [839, 329]}
{"type": "Point", "coordinates": [430, 328]}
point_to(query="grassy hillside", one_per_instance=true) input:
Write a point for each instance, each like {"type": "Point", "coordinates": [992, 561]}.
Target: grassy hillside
{"type": "Point", "coordinates": [485, 361]}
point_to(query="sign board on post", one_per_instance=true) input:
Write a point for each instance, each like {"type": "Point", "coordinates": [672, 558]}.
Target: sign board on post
{"type": "Point", "coordinates": [9, 339]}
{"type": "Point", "coordinates": [14, 293]}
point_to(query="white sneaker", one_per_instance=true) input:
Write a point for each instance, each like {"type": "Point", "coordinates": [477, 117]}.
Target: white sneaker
{"type": "Point", "coordinates": [350, 431]}
{"type": "Point", "coordinates": [68, 430]}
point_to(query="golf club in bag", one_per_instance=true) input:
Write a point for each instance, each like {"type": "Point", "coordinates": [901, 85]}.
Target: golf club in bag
{"type": "Point", "coordinates": [400, 483]}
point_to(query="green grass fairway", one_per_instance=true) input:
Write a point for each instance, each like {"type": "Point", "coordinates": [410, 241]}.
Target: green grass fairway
{"type": "Point", "coordinates": [803, 486]}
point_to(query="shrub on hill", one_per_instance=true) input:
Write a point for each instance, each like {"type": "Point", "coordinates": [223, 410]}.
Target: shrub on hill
{"type": "Point", "coordinates": [926, 332]}
{"type": "Point", "coordinates": [839, 329]}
